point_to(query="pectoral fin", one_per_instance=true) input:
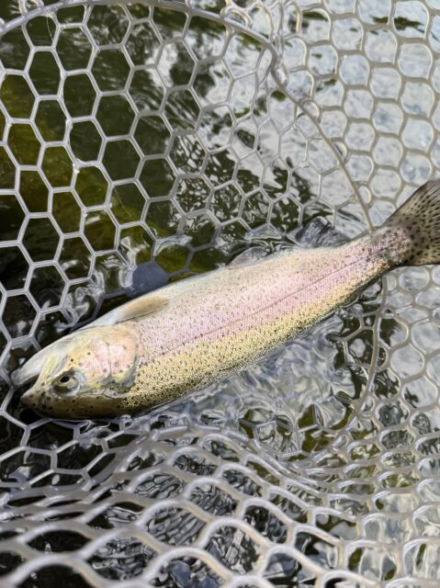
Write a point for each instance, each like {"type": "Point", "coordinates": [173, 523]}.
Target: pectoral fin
{"type": "Point", "coordinates": [144, 306]}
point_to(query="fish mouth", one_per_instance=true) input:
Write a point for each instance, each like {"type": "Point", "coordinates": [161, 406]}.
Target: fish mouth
{"type": "Point", "coordinates": [37, 401]}
{"type": "Point", "coordinates": [29, 398]}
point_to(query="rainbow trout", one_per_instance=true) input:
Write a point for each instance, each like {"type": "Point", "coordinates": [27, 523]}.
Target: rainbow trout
{"type": "Point", "coordinates": [187, 334]}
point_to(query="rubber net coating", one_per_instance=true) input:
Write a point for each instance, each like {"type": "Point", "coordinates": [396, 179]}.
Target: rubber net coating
{"type": "Point", "coordinates": [149, 141]}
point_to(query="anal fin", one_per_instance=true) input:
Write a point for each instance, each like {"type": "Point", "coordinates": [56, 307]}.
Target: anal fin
{"type": "Point", "coordinates": [318, 233]}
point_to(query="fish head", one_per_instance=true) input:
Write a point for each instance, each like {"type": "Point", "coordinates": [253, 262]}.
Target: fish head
{"type": "Point", "coordinates": [83, 375]}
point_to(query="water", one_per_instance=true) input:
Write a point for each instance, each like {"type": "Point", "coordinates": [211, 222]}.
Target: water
{"type": "Point", "coordinates": [165, 159]}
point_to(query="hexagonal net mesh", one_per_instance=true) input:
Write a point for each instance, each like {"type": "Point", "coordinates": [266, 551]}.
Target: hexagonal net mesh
{"type": "Point", "coordinates": [145, 142]}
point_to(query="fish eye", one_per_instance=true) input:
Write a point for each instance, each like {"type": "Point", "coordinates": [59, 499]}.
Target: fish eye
{"type": "Point", "coordinates": [66, 383]}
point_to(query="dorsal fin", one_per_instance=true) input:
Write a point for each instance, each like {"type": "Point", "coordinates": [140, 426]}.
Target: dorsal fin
{"type": "Point", "coordinates": [248, 256]}
{"type": "Point", "coordinates": [144, 306]}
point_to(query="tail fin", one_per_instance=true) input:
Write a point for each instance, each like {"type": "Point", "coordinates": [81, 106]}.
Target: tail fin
{"type": "Point", "coordinates": [419, 217]}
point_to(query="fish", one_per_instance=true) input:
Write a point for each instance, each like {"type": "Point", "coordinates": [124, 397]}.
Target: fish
{"type": "Point", "coordinates": [185, 335]}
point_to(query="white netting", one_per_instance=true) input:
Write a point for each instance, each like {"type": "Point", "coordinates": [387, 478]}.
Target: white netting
{"type": "Point", "coordinates": [147, 141]}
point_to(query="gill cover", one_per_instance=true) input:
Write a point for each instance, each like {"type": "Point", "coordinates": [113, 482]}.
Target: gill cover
{"type": "Point", "coordinates": [50, 358]}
